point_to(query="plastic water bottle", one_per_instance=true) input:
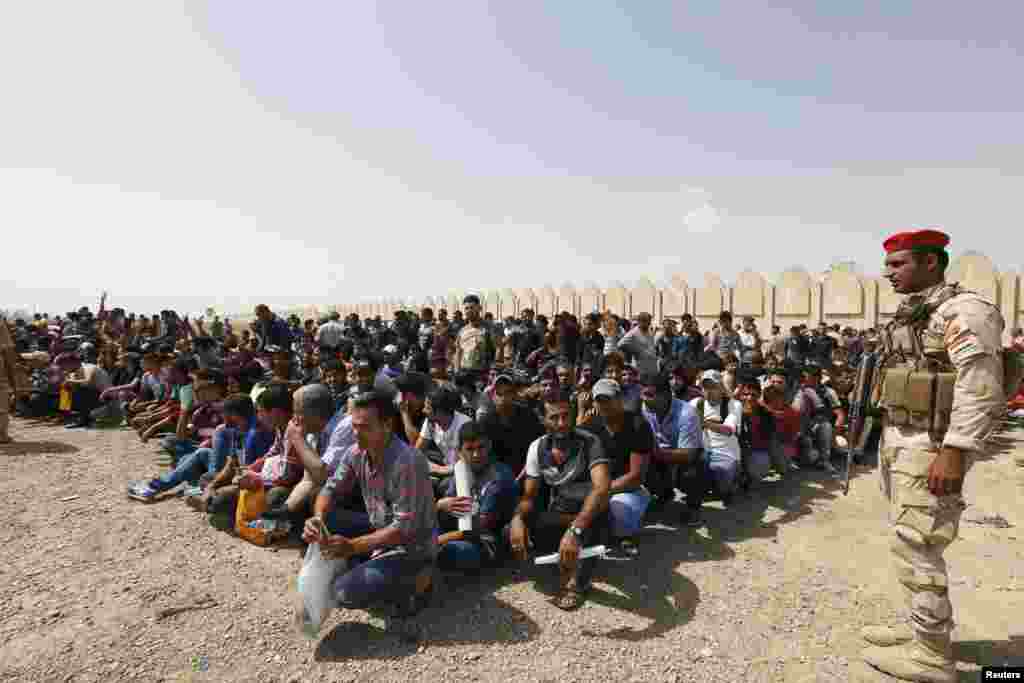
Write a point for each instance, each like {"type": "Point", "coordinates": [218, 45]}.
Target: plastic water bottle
{"type": "Point", "coordinates": [464, 488]}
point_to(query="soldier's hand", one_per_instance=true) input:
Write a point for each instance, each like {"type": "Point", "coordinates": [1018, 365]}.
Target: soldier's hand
{"type": "Point", "coordinates": [946, 474]}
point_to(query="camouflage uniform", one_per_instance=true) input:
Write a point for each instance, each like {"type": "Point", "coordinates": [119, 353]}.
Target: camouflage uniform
{"type": "Point", "coordinates": [958, 343]}
{"type": "Point", "coordinates": [6, 350]}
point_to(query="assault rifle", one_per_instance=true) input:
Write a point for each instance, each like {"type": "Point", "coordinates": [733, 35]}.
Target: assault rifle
{"type": "Point", "coordinates": [859, 419]}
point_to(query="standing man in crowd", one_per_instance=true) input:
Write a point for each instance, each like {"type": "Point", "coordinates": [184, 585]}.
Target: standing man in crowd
{"type": "Point", "coordinates": [474, 345]}
{"type": "Point", "coordinates": [952, 337]}
{"type": "Point", "coordinates": [330, 334]}
{"type": "Point", "coordinates": [272, 330]}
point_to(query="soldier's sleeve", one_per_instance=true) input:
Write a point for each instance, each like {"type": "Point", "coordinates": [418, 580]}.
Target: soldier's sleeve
{"type": "Point", "coordinates": [973, 341]}
{"type": "Point", "coordinates": [5, 337]}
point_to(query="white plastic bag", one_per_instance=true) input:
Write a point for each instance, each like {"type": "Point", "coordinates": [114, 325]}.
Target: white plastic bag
{"type": "Point", "coordinates": [316, 589]}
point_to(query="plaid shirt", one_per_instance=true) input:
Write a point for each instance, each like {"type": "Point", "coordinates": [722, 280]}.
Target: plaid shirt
{"type": "Point", "coordinates": [398, 493]}
{"type": "Point", "coordinates": [286, 469]}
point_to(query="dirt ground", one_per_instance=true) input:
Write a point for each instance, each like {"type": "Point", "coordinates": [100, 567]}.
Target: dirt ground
{"type": "Point", "coordinates": [775, 589]}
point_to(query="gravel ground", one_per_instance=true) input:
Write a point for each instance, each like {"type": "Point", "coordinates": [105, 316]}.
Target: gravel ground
{"type": "Point", "coordinates": [774, 589]}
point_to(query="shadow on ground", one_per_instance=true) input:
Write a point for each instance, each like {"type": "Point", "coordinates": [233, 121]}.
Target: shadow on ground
{"type": "Point", "coordinates": [38, 448]}
{"type": "Point", "coordinates": [468, 613]}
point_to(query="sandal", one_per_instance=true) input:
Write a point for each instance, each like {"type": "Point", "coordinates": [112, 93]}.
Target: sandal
{"type": "Point", "coordinates": [569, 599]}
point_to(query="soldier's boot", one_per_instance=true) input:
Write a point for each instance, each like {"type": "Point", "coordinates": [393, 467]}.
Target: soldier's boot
{"type": "Point", "coordinates": [887, 636]}
{"type": "Point", "coordinates": [925, 659]}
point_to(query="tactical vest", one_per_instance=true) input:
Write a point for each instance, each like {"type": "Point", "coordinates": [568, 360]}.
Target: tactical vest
{"type": "Point", "coordinates": [914, 383]}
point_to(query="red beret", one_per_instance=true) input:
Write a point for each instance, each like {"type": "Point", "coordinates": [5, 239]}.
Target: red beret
{"type": "Point", "coordinates": [904, 241]}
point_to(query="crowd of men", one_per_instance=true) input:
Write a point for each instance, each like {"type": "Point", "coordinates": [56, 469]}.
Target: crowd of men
{"type": "Point", "coordinates": [575, 431]}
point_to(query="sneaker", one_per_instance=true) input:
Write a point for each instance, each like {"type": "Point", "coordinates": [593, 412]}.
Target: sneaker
{"type": "Point", "coordinates": [629, 548]}
{"type": "Point", "coordinates": [141, 490]}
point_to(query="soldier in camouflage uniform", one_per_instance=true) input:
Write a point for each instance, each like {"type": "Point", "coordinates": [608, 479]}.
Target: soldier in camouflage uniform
{"type": "Point", "coordinates": [940, 389]}
{"type": "Point", "coordinates": [8, 379]}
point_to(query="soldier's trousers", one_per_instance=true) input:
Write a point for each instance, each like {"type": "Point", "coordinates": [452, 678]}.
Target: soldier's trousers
{"type": "Point", "coordinates": [5, 407]}
{"type": "Point", "coordinates": [923, 526]}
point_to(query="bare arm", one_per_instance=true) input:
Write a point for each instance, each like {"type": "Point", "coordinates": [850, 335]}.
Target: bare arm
{"type": "Point", "coordinates": [632, 478]}
{"type": "Point", "coordinates": [597, 500]}
{"type": "Point", "coordinates": [524, 511]}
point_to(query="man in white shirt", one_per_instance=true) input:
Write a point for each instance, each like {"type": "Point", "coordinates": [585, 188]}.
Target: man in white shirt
{"type": "Point", "coordinates": [440, 432]}
{"type": "Point", "coordinates": [86, 382]}
{"type": "Point", "coordinates": [721, 423]}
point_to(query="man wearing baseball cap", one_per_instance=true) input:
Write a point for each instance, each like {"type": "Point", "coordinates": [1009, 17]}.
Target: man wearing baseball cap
{"type": "Point", "coordinates": [941, 395]}
{"type": "Point", "coordinates": [721, 416]}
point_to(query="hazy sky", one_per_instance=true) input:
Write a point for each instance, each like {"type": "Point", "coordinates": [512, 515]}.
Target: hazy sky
{"type": "Point", "coordinates": [191, 154]}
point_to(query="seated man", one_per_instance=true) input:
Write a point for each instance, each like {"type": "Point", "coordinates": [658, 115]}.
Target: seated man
{"type": "Point", "coordinates": [335, 378]}
{"type": "Point", "coordinates": [510, 427]}
{"type": "Point", "coordinates": [440, 432]}
{"type": "Point", "coordinates": [276, 472]}
{"type": "Point", "coordinates": [816, 404]}
{"type": "Point", "coordinates": [239, 431]}
{"type": "Point", "coordinates": [616, 368]}
{"type": "Point", "coordinates": [86, 382]}
{"type": "Point", "coordinates": [177, 395]}
{"type": "Point", "coordinates": [199, 415]}
{"type": "Point", "coordinates": [491, 501]}
{"type": "Point", "coordinates": [413, 388]}
{"type": "Point", "coordinates": [721, 417]}
{"type": "Point", "coordinates": [390, 549]}
{"type": "Point", "coordinates": [628, 442]}
{"type": "Point", "coordinates": [320, 435]}
{"type": "Point", "coordinates": [679, 458]}
{"type": "Point", "coordinates": [576, 474]}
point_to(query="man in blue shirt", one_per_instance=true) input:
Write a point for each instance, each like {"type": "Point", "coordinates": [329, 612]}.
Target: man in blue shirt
{"type": "Point", "coordinates": [678, 460]}
{"type": "Point", "coordinates": [240, 429]}
{"type": "Point", "coordinates": [490, 503]}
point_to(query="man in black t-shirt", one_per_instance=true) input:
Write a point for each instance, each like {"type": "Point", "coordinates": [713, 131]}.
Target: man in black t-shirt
{"type": "Point", "coordinates": [629, 444]}
{"type": "Point", "coordinates": [510, 426]}
{"type": "Point", "coordinates": [571, 465]}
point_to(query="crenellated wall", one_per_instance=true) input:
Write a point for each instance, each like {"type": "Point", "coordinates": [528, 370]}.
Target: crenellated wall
{"type": "Point", "coordinates": [794, 296]}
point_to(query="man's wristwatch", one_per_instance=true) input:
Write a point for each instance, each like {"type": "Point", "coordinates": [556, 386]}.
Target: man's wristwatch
{"type": "Point", "coordinates": [577, 534]}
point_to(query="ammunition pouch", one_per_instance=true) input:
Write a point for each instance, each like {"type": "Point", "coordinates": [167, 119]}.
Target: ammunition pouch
{"type": "Point", "coordinates": [921, 399]}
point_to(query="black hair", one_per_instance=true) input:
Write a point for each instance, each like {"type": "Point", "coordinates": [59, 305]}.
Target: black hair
{"type": "Point", "coordinates": [382, 402]}
{"type": "Point", "coordinates": [920, 253]}
{"type": "Point", "coordinates": [276, 395]}
{"type": "Point", "coordinates": [471, 431]}
{"type": "Point", "coordinates": [239, 405]}
{"type": "Point", "coordinates": [659, 381]}
{"type": "Point", "coordinates": [444, 399]}
{"type": "Point", "coordinates": [317, 401]}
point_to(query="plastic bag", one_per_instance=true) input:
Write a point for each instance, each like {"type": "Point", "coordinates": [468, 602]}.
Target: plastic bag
{"type": "Point", "coordinates": [315, 587]}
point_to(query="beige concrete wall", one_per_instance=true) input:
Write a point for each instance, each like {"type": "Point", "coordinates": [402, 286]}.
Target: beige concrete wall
{"type": "Point", "coordinates": [840, 296]}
